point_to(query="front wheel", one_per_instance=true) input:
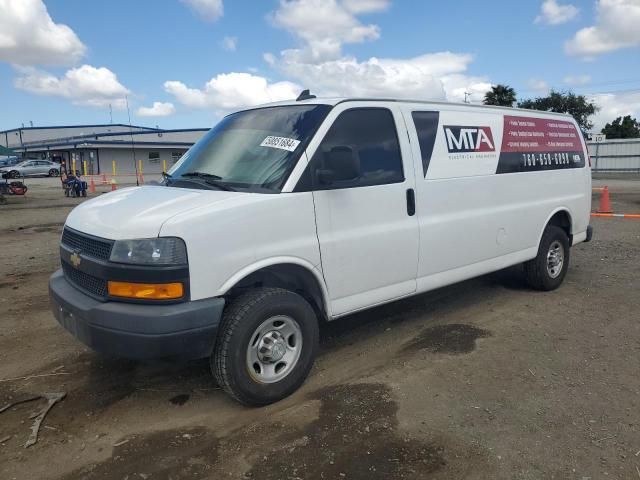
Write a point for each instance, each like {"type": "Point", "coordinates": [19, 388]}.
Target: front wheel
{"type": "Point", "coordinates": [266, 346]}
{"type": "Point", "coordinates": [548, 269]}
{"type": "Point", "coordinates": [14, 174]}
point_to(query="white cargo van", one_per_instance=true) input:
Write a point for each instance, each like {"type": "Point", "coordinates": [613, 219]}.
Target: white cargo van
{"type": "Point", "coordinates": [290, 214]}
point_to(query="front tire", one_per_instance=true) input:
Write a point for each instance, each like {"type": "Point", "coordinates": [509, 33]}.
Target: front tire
{"type": "Point", "coordinates": [266, 346]}
{"type": "Point", "coordinates": [14, 174]}
{"type": "Point", "coordinates": [547, 271]}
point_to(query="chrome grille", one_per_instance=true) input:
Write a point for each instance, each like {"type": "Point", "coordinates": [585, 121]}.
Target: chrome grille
{"type": "Point", "coordinates": [89, 246]}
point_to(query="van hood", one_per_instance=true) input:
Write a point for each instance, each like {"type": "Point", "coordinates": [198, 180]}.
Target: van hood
{"type": "Point", "coordinates": [139, 212]}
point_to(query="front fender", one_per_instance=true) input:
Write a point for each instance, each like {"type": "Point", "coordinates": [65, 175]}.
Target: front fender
{"type": "Point", "coordinates": [247, 270]}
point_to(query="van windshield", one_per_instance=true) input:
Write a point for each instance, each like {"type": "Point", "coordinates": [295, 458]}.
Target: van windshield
{"type": "Point", "coordinates": [253, 150]}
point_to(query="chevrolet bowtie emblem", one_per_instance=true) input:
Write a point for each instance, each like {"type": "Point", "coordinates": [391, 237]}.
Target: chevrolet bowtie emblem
{"type": "Point", "coordinates": [75, 259]}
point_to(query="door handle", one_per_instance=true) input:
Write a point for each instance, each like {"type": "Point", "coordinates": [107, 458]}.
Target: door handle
{"type": "Point", "coordinates": [411, 202]}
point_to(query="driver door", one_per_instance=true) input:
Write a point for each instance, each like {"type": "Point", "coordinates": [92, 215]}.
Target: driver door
{"type": "Point", "coordinates": [363, 184]}
{"type": "Point", "coordinates": [28, 169]}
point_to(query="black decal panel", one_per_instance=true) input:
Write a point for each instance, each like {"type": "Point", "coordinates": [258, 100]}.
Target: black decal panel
{"type": "Point", "coordinates": [427, 128]}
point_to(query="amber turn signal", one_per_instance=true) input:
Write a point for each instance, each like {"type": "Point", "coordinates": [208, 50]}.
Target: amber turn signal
{"type": "Point", "coordinates": [146, 291]}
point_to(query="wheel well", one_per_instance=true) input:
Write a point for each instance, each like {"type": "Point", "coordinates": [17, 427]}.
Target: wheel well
{"type": "Point", "coordinates": [288, 276]}
{"type": "Point", "coordinates": [562, 219]}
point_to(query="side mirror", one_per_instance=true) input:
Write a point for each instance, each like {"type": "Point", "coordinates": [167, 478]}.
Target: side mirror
{"type": "Point", "coordinates": [340, 165]}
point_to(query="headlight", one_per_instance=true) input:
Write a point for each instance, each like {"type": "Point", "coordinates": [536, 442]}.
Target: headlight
{"type": "Point", "coordinates": [150, 251]}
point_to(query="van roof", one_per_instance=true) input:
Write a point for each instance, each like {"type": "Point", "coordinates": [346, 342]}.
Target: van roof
{"type": "Point", "coordinates": [336, 100]}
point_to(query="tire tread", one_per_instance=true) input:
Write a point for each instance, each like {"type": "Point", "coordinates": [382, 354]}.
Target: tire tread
{"type": "Point", "coordinates": [535, 269]}
{"type": "Point", "coordinates": [233, 315]}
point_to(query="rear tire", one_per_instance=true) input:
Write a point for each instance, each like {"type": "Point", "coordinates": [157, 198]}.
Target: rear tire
{"type": "Point", "coordinates": [53, 172]}
{"type": "Point", "coordinates": [547, 271]}
{"type": "Point", "coordinates": [266, 346]}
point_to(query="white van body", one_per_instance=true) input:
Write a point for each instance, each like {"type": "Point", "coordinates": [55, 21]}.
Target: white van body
{"type": "Point", "coordinates": [477, 188]}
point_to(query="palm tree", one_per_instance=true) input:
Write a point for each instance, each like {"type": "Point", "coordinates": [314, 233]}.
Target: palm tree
{"type": "Point", "coordinates": [501, 95]}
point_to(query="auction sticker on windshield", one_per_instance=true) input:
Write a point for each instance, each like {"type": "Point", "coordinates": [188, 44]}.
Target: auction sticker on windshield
{"type": "Point", "coordinates": [282, 143]}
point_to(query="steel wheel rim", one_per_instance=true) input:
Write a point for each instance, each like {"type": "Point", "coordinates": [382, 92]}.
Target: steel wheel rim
{"type": "Point", "coordinates": [555, 259]}
{"type": "Point", "coordinates": [274, 349]}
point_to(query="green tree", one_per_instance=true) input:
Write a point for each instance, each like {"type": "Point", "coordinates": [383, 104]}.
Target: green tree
{"type": "Point", "coordinates": [564, 102]}
{"type": "Point", "coordinates": [501, 95]}
{"type": "Point", "coordinates": [627, 127]}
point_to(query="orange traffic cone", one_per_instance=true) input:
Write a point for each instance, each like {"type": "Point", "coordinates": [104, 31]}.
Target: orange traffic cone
{"type": "Point", "coordinates": [605, 202]}
{"type": "Point", "coordinates": [141, 179]}
{"type": "Point", "coordinates": [104, 178]}
{"type": "Point", "coordinates": [92, 186]}
{"type": "Point", "coordinates": [114, 185]}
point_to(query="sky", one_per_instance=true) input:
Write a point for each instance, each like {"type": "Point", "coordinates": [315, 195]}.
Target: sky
{"type": "Point", "coordinates": [186, 63]}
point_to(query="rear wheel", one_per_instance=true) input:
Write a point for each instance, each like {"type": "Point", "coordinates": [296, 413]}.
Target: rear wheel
{"type": "Point", "coordinates": [548, 269]}
{"type": "Point", "coordinates": [266, 346]}
{"type": "Point", "coordinates": [54, 172]}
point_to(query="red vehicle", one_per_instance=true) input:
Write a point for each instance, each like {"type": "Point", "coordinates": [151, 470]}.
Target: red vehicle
{"type": "Point", "coordinates": [11, 188]}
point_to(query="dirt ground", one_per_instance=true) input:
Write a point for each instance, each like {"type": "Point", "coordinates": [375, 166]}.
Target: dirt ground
{"type": "Point", "coordinates": [481, 380]}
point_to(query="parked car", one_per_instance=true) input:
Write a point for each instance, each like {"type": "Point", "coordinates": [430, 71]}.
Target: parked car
{"type": "Point", "coordinates": [9, 161]}
{"type": "Point", "coordinates": [295, 213]}
{"type": "Point", "coordinates": [33, 168]}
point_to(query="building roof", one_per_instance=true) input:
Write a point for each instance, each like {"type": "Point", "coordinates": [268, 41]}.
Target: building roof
{"type": "Point", "coordinates": [112, 135]}
{"type": "Point", "coordinates": [53, 127]}
{"type": "Point", "coordinates": [616, 140]}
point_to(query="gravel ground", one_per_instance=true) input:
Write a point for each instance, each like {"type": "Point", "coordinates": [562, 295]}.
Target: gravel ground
{"type": "Point", "coordinates": [483, 379]}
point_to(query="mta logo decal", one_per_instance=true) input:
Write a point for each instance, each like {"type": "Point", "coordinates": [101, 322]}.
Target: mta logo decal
{"type": "Point", "coordinates": [469, 139]}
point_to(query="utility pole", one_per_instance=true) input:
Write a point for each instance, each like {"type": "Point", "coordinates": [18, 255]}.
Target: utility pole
{"type": "Point", "coordinates": [133, 148]}
{"type": "Point", "coordinates": [467, 96]}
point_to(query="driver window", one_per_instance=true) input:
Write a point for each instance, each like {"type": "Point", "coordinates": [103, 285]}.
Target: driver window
{"type": "Point", "coordinates": [360, 149]}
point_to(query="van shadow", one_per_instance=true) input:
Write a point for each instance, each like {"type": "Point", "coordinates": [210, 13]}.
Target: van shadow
{"type": "Point", "coordinates": [104, 381]}
{"type": "Point", "coordinates": [425, 308]}
{"type": "Point", "coordinates": [98, 383]}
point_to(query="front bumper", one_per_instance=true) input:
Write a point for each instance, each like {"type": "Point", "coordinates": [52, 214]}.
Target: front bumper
{"type": "Point", "coordinates": [183, 330]}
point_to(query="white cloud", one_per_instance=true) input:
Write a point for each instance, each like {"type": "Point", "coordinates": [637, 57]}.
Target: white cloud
{"type": "Point", "coordinates": [539, 85]}
{"type": "Point", "coordinates": [366, 6]}
{"type": "Point", "coordinates": [229, 91]}
{"type": "Point", "coordinates": [553, 13]}
{"type": "Point", "coordinates": [616, 27]}
{"type": "Point", "coordinates": [85, 85]}
{"type": "Point", "coordinates": [322, 27]}
{"type": "Point", "coordinates": [460, 88]}
{"type": "Point", "coordinates": [159, 109]}
{"type": "Point", "coordinates": [577, 80]}
{"type": "Point", "coordinates": [230, 43]}
{"type": "Point", "coordinates": [209, 10]}
{"type": "Point", "coordinates": [325, 25]}
{"type": "Point", "coordinates": [613, 105]}
{"type": "Point", "coordinates": [29, 36]}
{"type": "Point", "coordinates": [435, 76]}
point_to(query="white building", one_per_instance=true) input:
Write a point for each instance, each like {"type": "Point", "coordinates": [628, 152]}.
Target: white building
{"type": "Point", "coordinates": [611, 155]}
{"type": "Point", "coordinates": [100, 148]}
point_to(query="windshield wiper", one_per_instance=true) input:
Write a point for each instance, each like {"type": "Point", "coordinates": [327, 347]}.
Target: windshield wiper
{"type": "Point", "coordinates": [210, 179]}
{"type": "Point", "coordinates": [202, 175]}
